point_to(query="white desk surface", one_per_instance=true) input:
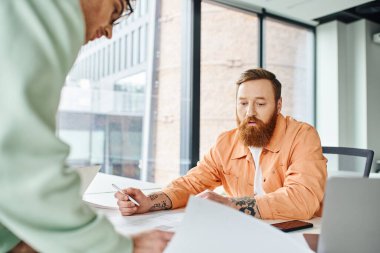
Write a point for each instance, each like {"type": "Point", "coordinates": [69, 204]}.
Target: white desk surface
{"type": "Point", "coordinates": [102, 183]}
{"type": "Point", "coordinates": [165, 220]}
{"type": "Point", "coordinates": [338, 173]}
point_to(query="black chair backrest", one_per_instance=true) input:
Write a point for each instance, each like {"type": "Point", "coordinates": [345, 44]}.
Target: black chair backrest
{"type": "Point", "coordinates": [353, 152]}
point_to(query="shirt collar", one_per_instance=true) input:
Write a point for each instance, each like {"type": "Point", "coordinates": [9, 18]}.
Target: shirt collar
{"type": "Point", "coordinates": [274, 145]}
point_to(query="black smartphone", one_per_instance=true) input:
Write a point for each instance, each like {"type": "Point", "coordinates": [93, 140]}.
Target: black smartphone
{"type": "Point", "coordinates": [289, 226]}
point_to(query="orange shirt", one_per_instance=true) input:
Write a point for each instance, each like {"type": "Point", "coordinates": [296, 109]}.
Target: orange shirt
{"type": "Point", "coordinates": [293, 172]}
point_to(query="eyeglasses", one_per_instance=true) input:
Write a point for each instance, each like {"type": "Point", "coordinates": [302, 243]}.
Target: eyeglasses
{"type": "Point", "coordinates": [129, 10]}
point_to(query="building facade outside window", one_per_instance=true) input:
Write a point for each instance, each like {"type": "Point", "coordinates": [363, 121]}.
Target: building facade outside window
{"type": "Point", "coordinates": [102, 103]}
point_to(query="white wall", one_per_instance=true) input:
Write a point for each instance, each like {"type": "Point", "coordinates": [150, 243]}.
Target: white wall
{"type": "Point", "coordinates": [327, 84]}
{"type": "Point", "coordinates": [348, 86]}
{"type": "Point", "coordinates": [356, 109]}
{"type": "Point", "coordinates": [330, 75]}
{"type": "Point", "coordinates": [373, 89]}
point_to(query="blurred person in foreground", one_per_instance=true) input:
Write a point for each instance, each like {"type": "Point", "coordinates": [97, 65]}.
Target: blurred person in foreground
{"type": "Point", "coordinates": [40, 206]}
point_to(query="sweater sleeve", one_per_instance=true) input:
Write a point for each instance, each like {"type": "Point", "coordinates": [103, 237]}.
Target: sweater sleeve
{"type": "Point", "coordinates": [39, 197]}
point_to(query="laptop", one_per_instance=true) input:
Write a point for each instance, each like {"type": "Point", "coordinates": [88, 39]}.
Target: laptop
{"type": "Point", "coordinates": [351, 216]}
{"type": "Point", "coordinates": [87, 175]}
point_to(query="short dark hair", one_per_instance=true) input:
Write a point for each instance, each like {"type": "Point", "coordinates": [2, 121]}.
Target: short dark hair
{"type": "Point", "coordinates": [259, 73]}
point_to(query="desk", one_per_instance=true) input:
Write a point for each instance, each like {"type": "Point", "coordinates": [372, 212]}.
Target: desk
{"type": "Point", "coordinates": [165, 220]}
{"type": "Point", "coordinates": [339, 173]}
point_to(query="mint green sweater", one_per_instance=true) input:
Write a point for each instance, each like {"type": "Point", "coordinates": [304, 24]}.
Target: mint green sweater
{"type": "Point", "coordinates": [39, 196]}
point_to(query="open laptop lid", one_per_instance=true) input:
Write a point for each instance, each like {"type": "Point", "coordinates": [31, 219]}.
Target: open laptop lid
{"type": "Point", "coordinates": [351, 216]}
{"type": "Point", "coordinates": [87, 174]}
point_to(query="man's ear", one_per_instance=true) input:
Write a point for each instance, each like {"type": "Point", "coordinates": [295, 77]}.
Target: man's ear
{"type": "Point", "coordinates": [279, 105]}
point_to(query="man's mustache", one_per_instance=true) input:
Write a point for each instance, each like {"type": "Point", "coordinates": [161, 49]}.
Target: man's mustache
{"type": "Point", "coordinates": [252, 118]}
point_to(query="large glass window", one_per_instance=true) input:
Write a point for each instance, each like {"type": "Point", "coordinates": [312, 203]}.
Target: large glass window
{"type": "Point", "coordinates": [121, 104]}
{"type": "Point", "coordinates": [101, 113]}
{"type": "Point", "coordinates": [289, 53]}
{"type": "Point", "coordinates": [164, 158]}
{"type": "Point", "coordinates": [229, 45]}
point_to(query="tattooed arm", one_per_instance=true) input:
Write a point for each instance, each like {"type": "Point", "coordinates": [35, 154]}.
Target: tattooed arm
{"type": "Point", "coordinates": [246, 205]}
{"type": "Point", "coordinates": [153, 202]}
{"type": "Point", "coordinates": [159, 201]}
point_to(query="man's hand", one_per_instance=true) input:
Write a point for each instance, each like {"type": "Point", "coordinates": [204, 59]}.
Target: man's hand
{"type": "Point", "coordinates": [154, 241]}
{"type": "Point", "coordinates": [246, 205]}
{"type": "Point", "coordinates": [22, 247]}
{"type": "Point", "coordinates": [153, 202]}
{"type": "Point", "coordinates": [127, 207]}
{"type": "Point", "coordinates": [217, 198]}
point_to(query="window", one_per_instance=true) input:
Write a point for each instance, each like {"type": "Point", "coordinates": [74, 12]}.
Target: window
{"type": "Point", "coordinates": [125, 51]}
{"type": "Point", "coordinates": [289, 53]}
{"type": "Point", "coordinates": [101, 113]}
{"type": "Point", "coordinates": [229, 46]}
{"type": "Point", "coordinates": [121, 104]}
{"type": "Point", "coordinates": [114, 57]}
{"type": "Point", "coordinates": [163, 163]}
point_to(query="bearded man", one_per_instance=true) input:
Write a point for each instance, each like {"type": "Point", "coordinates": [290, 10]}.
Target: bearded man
{"type": "Point", "coordinates": [270, 166]}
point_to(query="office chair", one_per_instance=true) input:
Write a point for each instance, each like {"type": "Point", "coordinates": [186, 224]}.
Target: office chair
{"type": "Point", "coordinates": [353, 152]}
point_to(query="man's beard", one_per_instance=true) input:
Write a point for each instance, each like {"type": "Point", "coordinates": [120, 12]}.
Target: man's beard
{"type": "Point", "coordinates": [258, 135]}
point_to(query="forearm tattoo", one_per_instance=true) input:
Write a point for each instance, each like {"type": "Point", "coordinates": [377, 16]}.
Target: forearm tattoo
{"type": "Point", "coordinates": [160, 201]}
{"type": "Point", "coordinates": [153, 196]}
{"type": "Point", "coordinates": [247, 205]}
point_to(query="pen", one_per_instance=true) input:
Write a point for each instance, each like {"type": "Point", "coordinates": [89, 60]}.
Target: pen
{"type": "Point", "coordinates": [129, 197]}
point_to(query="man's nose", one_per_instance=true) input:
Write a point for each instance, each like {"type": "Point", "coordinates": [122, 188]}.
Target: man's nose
{"type": "Point", "coordinates": [108, 30]}
{"type": "Point", "coordinates": [251, 111]}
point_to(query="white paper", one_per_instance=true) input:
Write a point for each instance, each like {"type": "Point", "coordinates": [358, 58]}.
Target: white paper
{"type": "Point", "coordinates": [299, 238]}
{"type": "Point", "coordinates": [101, 200]}
{"type": "Point", "coordinates": [103, 183]}
{"type": "Point", "coordinates": [100, 192]}
{"type": "Point", "coordinates": [87, 175]}
{"type": "Point", "coordinates": [105, 200]}
{"type": "Point", "coordinates": [168, 220]}
{"type": "Point", "coordinates": [212, 227]}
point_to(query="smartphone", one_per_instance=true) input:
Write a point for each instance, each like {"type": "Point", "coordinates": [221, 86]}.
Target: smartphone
{"type": "Point", "coordinates": [289, 226]}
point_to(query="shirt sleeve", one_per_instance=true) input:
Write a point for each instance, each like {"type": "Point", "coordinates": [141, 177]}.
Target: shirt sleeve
{"type": "Point", "coordinates": [304, 184]}
{"type": "Point", "coordinates": [39, 198]}
{"type": "Point", "coordinates": [206, 175]}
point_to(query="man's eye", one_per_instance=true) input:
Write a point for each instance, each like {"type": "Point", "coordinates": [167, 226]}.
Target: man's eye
{"type": "Point", "coordinates": [243, 103]}
{"type": "Point", "coordinates": [260, 104]}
